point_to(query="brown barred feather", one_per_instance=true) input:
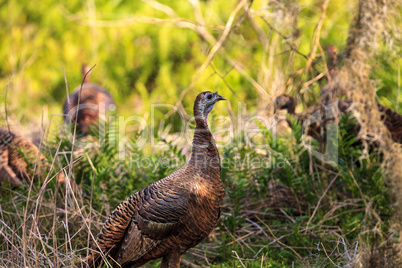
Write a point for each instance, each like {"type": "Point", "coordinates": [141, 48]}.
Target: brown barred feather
{"type": "Point", "coordinates": [171, 215]}
{"type": "Point", "coordinates": [17, 158]}
{"type": "Point", "coordinates": [393, 121]}
{"type": "Point", "coordinates": [94, 102]}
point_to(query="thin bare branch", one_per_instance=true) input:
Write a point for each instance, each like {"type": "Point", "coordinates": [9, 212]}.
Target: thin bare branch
{"type": "Point", "coordinates": [65, 81]}
{"type": "Point", "coordinates": [277, 240]}
{"type": "Point", "coordinates": [291, 46]}
{"type": "Point", "coordinates": [317, 35]}
{"type": "Point", "coordinates": [211, 55]}
{"type": "Point", "coordinates": [322, 196]}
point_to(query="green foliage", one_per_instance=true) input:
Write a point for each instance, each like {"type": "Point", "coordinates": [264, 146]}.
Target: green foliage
{"type": "Point", "coordinates": [253, 181]}
{"type": "Point", "coordinates": [280, 193]}
{"type": "Point", "coordinates": [151, 62]}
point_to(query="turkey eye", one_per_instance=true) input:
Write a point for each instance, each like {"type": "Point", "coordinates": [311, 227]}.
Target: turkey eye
{"type": "Point", "coordinates": [209, 96]}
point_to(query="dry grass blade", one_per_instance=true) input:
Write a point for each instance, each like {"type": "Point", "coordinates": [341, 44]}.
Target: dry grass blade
{"type": "Point", "coordinates": [327, 254]}
{"type": "Point", "coordinates": [182, 22]}
{"type": "Point", "coordinates": [291, 46]}
{"type": "Point", "coordinates": [238, 258]}
{"type": "Point", "coordinates": [65, 81]}
{"type": "Point", "coordinates": [228, 28]}
{"type": "Point", "coordinates": [319, 201]}
{"type": "Point", "coordinates": [277, 240]}
{"type": "Point", "coordinates": [317, 35]}
{"type": "Point", "coordinates": [5, 103]}
{"type": "Point", "coordinates": [399, 89]}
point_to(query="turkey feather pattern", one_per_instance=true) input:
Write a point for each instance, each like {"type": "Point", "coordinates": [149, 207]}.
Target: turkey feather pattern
{"type": "Point", "coordinates": [171, 215]}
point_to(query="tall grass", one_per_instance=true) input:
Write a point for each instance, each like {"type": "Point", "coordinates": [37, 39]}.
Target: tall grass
{"type": "Point", "coordinates": [283, 207]}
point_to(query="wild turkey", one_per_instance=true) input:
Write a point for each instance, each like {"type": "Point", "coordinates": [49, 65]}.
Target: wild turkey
{"type": "Point", "coordinates": [283, 103]}
{"type": "Point", "coordinates": [17, 157]}
{"type": "Point", "coordinates": [311, 124]}
{"type": "Point", "coordinates": [391, 119]}
{"type": "Point", "coordinates": [94, 102]}
{"type": "Point", "coordinates": [171, 215]}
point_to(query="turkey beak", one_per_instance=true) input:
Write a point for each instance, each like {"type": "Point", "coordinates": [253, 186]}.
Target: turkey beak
{"type": "Point", "coordinates": [219, 97]}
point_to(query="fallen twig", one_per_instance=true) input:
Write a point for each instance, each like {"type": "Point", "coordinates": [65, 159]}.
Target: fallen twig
{"type": "Point", "coordinates": [319, 201]}
{"type": "Point", "coordinates": [277, 240]}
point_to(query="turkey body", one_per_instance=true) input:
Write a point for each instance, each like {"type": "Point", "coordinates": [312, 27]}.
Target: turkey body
{"type": "Point", "coordinates": [284, 103]}
{"type": "Point", "coordinates": [93, 104]}
{"type": "Point", "coordinates": [391, 119]}
{"type": "Point", "coordinates": [15, 154]}
{"type": "Point", "coordinates": [171, 215]}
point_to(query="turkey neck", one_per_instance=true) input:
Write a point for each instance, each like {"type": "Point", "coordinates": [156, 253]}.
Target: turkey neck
{"type": "Point", "coordinates": [205, 155]}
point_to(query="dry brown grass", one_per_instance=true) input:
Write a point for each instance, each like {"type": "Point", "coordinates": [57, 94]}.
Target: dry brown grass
{"type": "Point", "coordinates": [53, 227]}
